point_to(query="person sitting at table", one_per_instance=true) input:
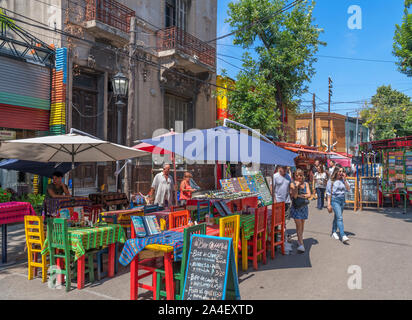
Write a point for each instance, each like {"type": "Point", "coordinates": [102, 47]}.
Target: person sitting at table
{"type": "Point", "coordinates": [57, 188]}
{"type": "Point", "coordinates": [186, 189]}
{"type": "Point", "coordinates": [163, 187]}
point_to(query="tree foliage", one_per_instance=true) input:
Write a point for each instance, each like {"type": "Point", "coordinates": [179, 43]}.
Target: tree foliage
{"type": "Point", "coordinates": [389, 115]}
{"type": "Point", "coordinates": [285, 43]}
{"type": "Point", "coordinates": [402, 47]}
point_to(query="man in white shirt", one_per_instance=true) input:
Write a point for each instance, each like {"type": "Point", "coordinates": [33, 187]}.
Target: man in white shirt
{"type": "Point", "coordinates": [281, 191]}
{"type": "Point", "coordinates": [332, 165]}
{"type": "Point", "coordinates": [163, 185]}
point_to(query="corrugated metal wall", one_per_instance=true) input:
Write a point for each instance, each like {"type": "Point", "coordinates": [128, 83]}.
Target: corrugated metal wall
{"type": "Point", "coordinates": [24, 95]}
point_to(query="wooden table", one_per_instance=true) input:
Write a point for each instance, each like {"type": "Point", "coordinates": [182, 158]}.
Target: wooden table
{"type": "Point", "coordinates": [168, 263]}
{"type": "Point", "coordinates": [12, 212]}
{"type": "Point", "coordinates": [82, 239]}
{"type": "Point", "coordinates": [124, 217]}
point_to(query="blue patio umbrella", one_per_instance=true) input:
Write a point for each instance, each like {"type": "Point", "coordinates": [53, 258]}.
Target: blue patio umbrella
{"type": "Point", "coordinates": [45, 169]}
{"type": "Point", "coordinates": [225, 145]}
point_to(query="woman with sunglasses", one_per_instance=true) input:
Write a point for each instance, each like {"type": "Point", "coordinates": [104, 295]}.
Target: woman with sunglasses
{"type": "Point", "coordinates": [335, 191]}
{"type": "Point", "coordinates": [300, 193]}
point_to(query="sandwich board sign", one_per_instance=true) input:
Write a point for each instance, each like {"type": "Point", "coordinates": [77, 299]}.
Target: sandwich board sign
{"type": "Point", "coordinates": [211, 272]}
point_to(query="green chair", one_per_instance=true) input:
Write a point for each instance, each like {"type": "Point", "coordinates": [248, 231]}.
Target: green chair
{"type": "Point", "coordinates": [179, 272]}
{"type": "Point", "coordinates": [58, 239]}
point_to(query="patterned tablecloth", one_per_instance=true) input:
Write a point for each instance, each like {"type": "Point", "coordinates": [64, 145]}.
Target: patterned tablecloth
{"type": "Point", "coordinates": [53, 205]}
{"type": "Point", "coordinates": [124, 217]}
{"type": "Point", "coordinates": [133, 246]}
{"type": "Point", "coordinates": [11, 212]}
{"type": "Point", "coordinates": [86, 238]}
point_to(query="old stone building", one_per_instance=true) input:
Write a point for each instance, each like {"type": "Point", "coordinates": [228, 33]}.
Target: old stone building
{"type": "Point", "coordinates": [173, 65]}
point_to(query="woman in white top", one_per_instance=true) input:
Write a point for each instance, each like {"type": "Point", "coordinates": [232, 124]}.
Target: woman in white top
{"type": "Point", "coordinates": [320, 180]}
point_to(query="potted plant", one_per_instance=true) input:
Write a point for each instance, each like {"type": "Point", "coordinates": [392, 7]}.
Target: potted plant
{"type": "Point", "coordinates": [4, 196]}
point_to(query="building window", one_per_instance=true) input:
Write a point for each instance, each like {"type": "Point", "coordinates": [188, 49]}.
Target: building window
{"type": "Point", "coordinates": [351, 133]}
{"type": "Point", "coordinates": [325, 135]}
{"type": "Point", "coordinates": [176, 13]}
{"type": "Point", "coordinates": [302, 136]}
{"type": "Point", "coordinates": [178, 109]}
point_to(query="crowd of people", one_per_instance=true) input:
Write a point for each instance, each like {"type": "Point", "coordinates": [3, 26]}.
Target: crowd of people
{"type": "Point", "coordinates": [298, 188]}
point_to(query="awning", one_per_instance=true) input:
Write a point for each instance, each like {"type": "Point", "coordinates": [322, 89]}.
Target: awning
{"type": "Point", "coordinates": [305, 150]}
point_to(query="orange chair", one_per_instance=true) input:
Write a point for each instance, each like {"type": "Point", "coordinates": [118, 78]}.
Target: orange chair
{"type": "Point", "coordinates": [277, 220]}
{"type": "Point", "coordinates": [259, 236]}
{"type": "Point", "coordinates": [179, 219]}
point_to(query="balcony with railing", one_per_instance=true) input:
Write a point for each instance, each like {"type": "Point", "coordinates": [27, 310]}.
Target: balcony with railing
{"type": "Point", "coordinates": [102, 13]}
{"type": "Point", "coordinates": [174, 38]}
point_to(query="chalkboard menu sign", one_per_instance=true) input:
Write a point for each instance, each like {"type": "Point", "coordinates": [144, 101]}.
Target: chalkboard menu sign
{"type": "Point", "coordinates": [352, 195]}
{"type": "Point", "coordinates": [369, 190]}
{"type": "Point", "coordinates": [211, 269]}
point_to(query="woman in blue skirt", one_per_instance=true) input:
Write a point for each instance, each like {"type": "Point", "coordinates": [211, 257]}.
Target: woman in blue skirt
{"type": "Point", "coordinates": [300, 193]}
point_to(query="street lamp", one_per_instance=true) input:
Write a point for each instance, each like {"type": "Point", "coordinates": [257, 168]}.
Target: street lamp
{"type": "Point", "coordinates": [120, 84]}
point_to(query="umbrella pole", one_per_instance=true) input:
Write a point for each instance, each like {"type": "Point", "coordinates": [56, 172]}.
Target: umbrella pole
{"type": "Point", "coordinates": [72, 170]}
{"type": "Point", "coordinates": [175, 175]}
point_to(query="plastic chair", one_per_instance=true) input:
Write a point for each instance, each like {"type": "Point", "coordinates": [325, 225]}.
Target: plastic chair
{"type": "Point", "coordinates": [259, 237]}
{"type": "Point", "coordinates": [35, 236]}
{"type": "Point", "coordinates": [179, 273]}
{"type": "Point", "coordinates": [58, 239]}
{"type": "Point", "coordinates": [179, 219]}
{"type": "Point", "coordinates": [277, 226]}
{"type": "Point", "coordinates": [229, 227]}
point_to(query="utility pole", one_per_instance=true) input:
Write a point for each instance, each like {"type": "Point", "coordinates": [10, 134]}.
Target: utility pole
{"type": "Point", "coordinates": [314, 121]}
{"type": "Point", "coordinates": [357, 133]}
{"type": "Point", "coordinates": [330, 96]}
{"type": "Point", "coordinates": [130, 100]}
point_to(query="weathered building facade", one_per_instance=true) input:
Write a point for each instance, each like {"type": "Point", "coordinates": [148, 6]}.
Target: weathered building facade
{"type": "Point", "coordinates": [172, 63]}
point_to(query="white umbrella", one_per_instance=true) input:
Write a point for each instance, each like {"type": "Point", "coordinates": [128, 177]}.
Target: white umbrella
{"type": "Point", "coordinates": [66, 148]}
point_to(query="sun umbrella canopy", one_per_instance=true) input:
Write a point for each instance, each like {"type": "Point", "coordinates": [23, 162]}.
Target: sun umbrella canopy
{"type": "Point", "coordinates": [154, 149]}
{"type": "Point", "coordinates": [223, 144]}
{"type": "Point", "coordinates": [40, 168]}
{"type": "Point", "coordinates": [66, 148]}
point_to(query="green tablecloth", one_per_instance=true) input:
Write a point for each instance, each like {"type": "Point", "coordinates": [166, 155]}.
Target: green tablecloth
{"type": "Point", "coordinates": [82, 239]}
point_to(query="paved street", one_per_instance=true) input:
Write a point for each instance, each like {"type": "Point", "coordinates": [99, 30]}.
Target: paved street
{"type": "Point", "coordinates": [381, 245]}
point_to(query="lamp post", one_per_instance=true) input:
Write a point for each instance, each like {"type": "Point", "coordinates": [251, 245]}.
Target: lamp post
{"type": "Point", "coordinates": [120, 84]}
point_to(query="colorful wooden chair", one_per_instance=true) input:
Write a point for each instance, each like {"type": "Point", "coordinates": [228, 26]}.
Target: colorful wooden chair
{"type": "Point", "coordinates": [203, 208]}
{"type": "Point", "coordinates": [179, 219]}
{"type": "Point", "coordinates": [229, 227]}
{"type": "Point", "coordinates": [35, 237]}
{"type": "Point", "coordinates": [105, 250]}
{"type": "Point", "coordinates": [277, 226]}
{"type": "Point", "coordinates": [59, 250]}
{"type": "Point", "coordinates": [259, 237]}
{"type": "Point", "coordinates": [179, 272]}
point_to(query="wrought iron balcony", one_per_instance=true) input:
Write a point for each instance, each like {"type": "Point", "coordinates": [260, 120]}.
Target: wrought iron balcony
{"type": "Point", "coordinates": [174, 38]}
{"type": "Point", "coordinates": [109, 12]}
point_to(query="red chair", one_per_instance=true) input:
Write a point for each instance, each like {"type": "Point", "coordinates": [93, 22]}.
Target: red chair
{"type": "Point", "coordinates": [150, 265]}
{"type": "Point", "coordinates": [179, 219]}
{"type": "Point", "coordinates": [259, 237]}
{"type": "Point", "coordinates": [277, 220]}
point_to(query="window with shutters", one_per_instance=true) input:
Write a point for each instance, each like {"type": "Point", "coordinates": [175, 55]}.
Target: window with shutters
{"type": "Point", "coordinates": [178, 109]}
{"type": "Point", "coordinates": [302, 136]}
{"type": "Point", "coordinates": [176, 13]}
{"type": "Point", "coordinates": [325, 135]}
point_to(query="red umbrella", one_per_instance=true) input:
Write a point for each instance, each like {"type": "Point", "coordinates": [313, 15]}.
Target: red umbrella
{"type": "Point", "coordinates": [156, 150]}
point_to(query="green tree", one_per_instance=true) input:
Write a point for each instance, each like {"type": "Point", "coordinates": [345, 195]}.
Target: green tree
{"type": "Point", "coordinates": [389, 115]}
{"type": "Point", "coordinates": [402, 47]}
{"type": "Point", "coordinates": [285, 43]}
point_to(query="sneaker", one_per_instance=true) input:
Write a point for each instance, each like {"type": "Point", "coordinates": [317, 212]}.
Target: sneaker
{"type": "Point", "coordinates": [335, 236]}
{"type": "Point", "coordinates": [345, 239]}
{"type": "Point", "coordinates": [301, 248]}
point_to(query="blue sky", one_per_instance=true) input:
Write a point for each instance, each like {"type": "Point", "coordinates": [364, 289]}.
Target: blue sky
{"type": "Point", "coordinates": [352, 80]}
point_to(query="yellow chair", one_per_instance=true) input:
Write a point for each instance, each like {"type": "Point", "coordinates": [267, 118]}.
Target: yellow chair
{"type": "Point", "coordinates": [35, 236]}
{"type": "Point", "coordinates": [229, 227]}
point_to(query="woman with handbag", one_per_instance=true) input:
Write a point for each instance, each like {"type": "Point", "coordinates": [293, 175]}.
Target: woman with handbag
{"type": "Point", "coordinates": [300, 193]}
{"type": "Point", "coordinates": [335, 191]}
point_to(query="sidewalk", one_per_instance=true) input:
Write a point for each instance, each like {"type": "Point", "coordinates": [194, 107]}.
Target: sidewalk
{"type": "Point", "coordinates": [380, 244]}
